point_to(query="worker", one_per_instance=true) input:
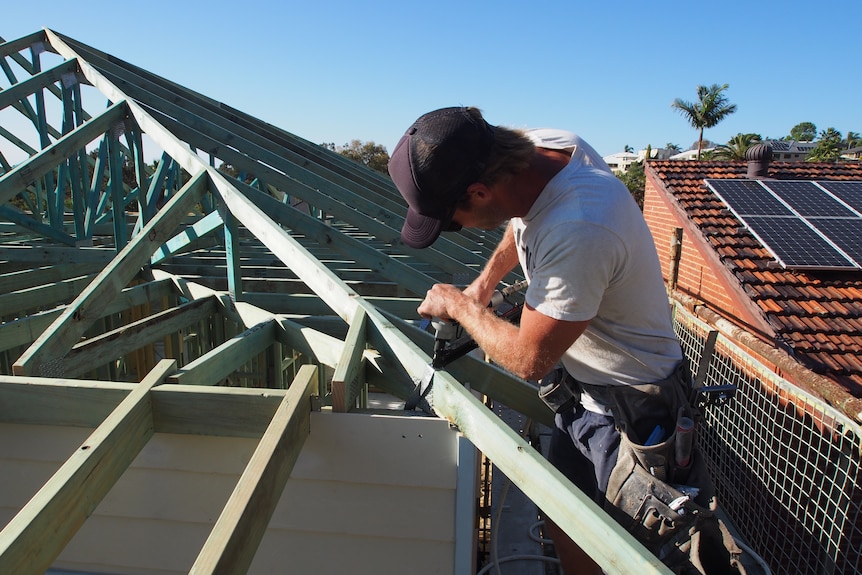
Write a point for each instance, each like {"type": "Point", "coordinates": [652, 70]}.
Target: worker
{"type": "Point", "coordinates": [596, 315]}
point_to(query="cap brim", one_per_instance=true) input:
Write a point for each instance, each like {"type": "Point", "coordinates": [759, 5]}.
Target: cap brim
{"type": "Point", "coordinates": [420, 231]}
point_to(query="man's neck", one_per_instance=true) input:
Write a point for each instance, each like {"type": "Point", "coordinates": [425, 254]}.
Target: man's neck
{"type": "Point", "coordinates": [527, 186]}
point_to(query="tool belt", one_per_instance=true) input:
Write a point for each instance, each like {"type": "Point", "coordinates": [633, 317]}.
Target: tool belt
{"type": "Point", "coordinates": [660, 489]}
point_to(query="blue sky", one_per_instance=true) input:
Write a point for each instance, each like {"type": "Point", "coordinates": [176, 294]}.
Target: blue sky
{"type": "Point", "coordinates": [340, 70]}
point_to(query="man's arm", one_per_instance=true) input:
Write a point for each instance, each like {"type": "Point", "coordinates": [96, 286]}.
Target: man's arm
{"type": "Point", "coordinates": [529, 351]}
{"type": "Point", "coordinates": [502, 261]}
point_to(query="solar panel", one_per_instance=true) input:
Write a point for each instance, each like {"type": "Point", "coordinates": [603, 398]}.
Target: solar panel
{"type": "Point", "coordinates": [795, 244]}
{"type": "Point", "coordinates": [807, 199]}
{"type": "Point", "coordinates": [849, 192]}
{"type": "Point", "coordinates": [799, 222]}
{"type": "Point", "coordinates": [748, 197]}
{"type": "Point", "coordinates": [843, 232]}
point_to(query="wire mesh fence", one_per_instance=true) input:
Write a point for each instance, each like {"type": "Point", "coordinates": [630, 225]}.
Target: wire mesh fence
{"type": "Point", "coordinates": [786, 465]}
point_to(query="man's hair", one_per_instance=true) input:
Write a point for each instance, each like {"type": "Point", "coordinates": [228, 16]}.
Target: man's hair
{"type": "Point", "coordinates": [510, 155]}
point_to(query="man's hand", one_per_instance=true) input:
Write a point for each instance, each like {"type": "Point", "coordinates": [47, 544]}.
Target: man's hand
{"type": "Point", "coordinates": [441, 301]}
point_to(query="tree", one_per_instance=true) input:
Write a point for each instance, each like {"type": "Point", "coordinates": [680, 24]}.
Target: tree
{"type": "Point", "coordinates": [829, 147]}
{"type": "Point", "coordinates": [671, 147]}
{"type": "Point", "coordinates": [711, 108]}
{"type": "Point", "coordinates": [736, 147]}
{"type": "Point", "coordinates": [368, 153]}
{"type": "Point", "coordinates": [852, 139]}
{"type": "Point", "coordinates": [628, 149]}
{"type": "Point", "coordinates": [803, 132]}
{"type": "Point", "coordinates": [635, 181]}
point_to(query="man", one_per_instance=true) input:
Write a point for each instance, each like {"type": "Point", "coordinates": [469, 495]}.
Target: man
{"type": "Point", "coordinates": [596, 301]}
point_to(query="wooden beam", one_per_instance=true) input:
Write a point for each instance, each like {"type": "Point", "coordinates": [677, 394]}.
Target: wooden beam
{"type": "Point", "coordinates": [22, 90]}
{"type": "Point", "coordinates": [188, 237]}
{"type": "Point", "coordinates": [346, 380]}
{"type": "Point", "coordinates": [47, 295]}
{"type": "Point", "coordinates": [34, 538]}
{"type": "Point", "coordinates": [42, 358]}
{"type": "Point", "coordinates": [217, 364]}
{"type": "Point", "coordinates": [22, 175]}
{"type": "Point", "coordinates": [239, 529]}
{"type": "Point", "coordinates": [45, 401]}
{"type": "Point", "coordinates": [594, 530]}
{"type": "Point", "coordinates": [25, 330]}
{"type": "Point", "coordinates": [99, 350]}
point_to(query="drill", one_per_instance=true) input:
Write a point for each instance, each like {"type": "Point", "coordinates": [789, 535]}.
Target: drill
{"type": "Point", "coordinates": [446, 351]}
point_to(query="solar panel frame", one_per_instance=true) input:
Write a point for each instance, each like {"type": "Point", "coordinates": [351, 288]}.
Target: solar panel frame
{"type": "Point", "coordinates": [849, 192]}
{"type": "Point", "coordinates": [796, 245]}
{"type": "Point", "coordinates": [748, 197]}
{"type": "Point", "coordinates": [807, 199]}
{"type": "Point", "coordinates": [846, 233]}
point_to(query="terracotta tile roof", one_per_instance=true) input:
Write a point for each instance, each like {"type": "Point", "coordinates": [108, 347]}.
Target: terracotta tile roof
{"type": "Point", "coordinates": [817, 313]}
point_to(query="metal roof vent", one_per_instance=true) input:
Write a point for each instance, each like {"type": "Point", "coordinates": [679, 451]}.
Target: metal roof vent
{"type": "Point", "coordinates": [758, 157]}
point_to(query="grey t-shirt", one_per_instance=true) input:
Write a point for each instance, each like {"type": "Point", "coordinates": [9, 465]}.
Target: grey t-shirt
{"type": "Point", "coordinates": [589, 255]}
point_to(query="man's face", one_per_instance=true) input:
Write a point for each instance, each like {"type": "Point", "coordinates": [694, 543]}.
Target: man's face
{"type": "Point", "coordinates": [476, 213]}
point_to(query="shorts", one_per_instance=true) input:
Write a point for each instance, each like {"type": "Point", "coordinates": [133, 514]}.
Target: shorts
{"type": "Point", "coordinates": [585, 449]}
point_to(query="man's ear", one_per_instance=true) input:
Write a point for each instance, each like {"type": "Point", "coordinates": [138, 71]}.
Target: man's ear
{"type": "Point", "coordinates": [479, 192]}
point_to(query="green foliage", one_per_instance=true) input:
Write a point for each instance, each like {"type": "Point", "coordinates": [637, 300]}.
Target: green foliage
{"type": "Point", "coordinates": [736, 147]}
{"type": "Point", "coordinates": [635, 181]}
{"type": "Point", "coordinates": [829, 147]}
{"type": "Point", "coordinates": [712, 107]}
{"type": "Point", "coordinates": [368, 154]}
{"type": "Point", "coordinates": [803, 132]}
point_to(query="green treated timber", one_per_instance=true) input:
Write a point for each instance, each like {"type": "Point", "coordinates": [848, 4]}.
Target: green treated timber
{"type": "Point", "coordinates": [24, 43]}
{"type": "Point", "coordinates": [217, 411]}
{"type": "Point", "coordinates": [212, 222]}
{"type": "Point", "coordinates": [600, 536]}
{"type": "Point", "coordinates": [234, 540]}
{"type": "Point", "coordinates": [326, 284]}
{"type": "Point", "coordinates": [25, 88]}
{"type": "Point", "coordinates": [342, 203]}
{"type": "Point", "coordinates": [219, 363]}
{"type": "Point", "coordinates": [41, 358]}
{"type": "Point", "coordinates": [486, 378]}
{"type": "Point", "coordinates": [24, 331]}
{"type": "Point", "coordinates": [311, 305]}
{"type": "Point", "coordinates": [105, 64]}
{"type": "Point", "coordinates": [55, 255]}
{"type": "Point", "coordinates": [408, 277]}
{"type": "Point", "coordinates": [62, 402]}
{"type": "Point", "coordinates": [48, 159]}
{"type": "Point", "coordinates": [60, 292]}
{"type": "Point", "coordinates": [30, 223]}
{"type": "Point", "coordinates": [34, 538]}
{"type": "Point", "coordinates": [98, 350]}
{"type": "Point", "coordinates": [346, 379]}
{"type": "Point", "coordinates": [182, 409]}
{"type": "Point", "coordinates": [169, 143]}
{"type": "Point", "coordinates": [43, 274]}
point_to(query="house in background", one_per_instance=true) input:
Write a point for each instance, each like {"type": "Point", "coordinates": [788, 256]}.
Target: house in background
{"type": "Point", "coordinates": [689, 154]}
{"type": "Point", "coordinates": [790, 150]}
{"type": "Point", "coordinates": [621, 161]}
{"type": "Point", "coordinates": [806, 316]}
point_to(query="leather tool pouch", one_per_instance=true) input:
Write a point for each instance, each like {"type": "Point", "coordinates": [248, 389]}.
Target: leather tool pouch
{"type": "Point", "coordinates": [559, 390]}
{"type": "Point", "coordinates": [668, 507]}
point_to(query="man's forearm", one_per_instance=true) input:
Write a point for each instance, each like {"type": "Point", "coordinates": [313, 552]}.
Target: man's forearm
{"type": "Point", "coordinates": [502, 261]}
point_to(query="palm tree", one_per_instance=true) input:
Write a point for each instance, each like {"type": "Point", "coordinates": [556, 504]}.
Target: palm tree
{"type": "Point", "coordinates": [736, 147]}
{"type": "Point", "coordinates": [711, 108]}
